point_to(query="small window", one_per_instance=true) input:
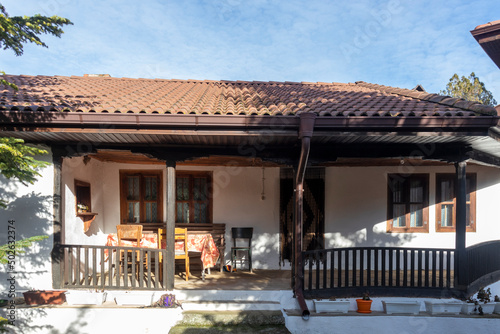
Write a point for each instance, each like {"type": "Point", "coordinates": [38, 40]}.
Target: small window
{"type": "Point", "coordinates": [446, 202]}
{"type": "Point", "coordinates": [193, 197]}
{"type": "Point", "coordinates": [141, 197]}
{"type": "Point", "coordinates": [82, 197]}
{"type": "Point", "coordinates": [408, 203]}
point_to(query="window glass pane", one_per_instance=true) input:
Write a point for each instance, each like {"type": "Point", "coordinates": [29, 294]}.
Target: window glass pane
{"type": "Point", "coordinates": [447, 190]}
{"type": "Point", "coordinates": [398, 212]}
{"type": "Point", "coordinates": [151, 188]}
{"type": "Point", "coordinates": [182, 213]}
{"type": "Point", "coordinates": [151, 212]}
{"type": "Point", "coordinates": [467, 215]}
{"type": "Point", "coordinates": [447, 215]}
{"type": "Point", "coordinates": [148, 213]}
{"type": "Point", "coordinates": [130, 212]}
{"type": "Point", "coordinates": [200, 189]}
{"type": "Point", "coordinates": [200, 213]}
{"type": "Point", "coordinates": [182, 185]}
{"type": "Point", "coordinates": [147, 190]}
{"type": "Point", "coordinates": [416, 215]}
{"type": "Point", "coordinates": [133, 188]}
{"type": "Point", "coordinates": [416, 191]}
{"type": "Point", "coordinates": [133, 212]}
{"type": "Point", "coordinates": [469, 188]}
{"type": "Point", "coordinates": [397, 191]}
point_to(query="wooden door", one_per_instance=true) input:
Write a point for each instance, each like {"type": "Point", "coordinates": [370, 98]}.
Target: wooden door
{"type": "Point", "coordinates": [314, 213]}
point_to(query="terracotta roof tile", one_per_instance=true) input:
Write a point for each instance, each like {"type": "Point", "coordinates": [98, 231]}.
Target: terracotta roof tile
{"type": "Point", "coordinates": [208, 97]}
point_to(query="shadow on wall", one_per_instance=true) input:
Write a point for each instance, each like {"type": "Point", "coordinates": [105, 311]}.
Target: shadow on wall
{"type": "Point", "coordinates": [367, 237]}
{"type": "Point", "coordinates": [31, 215]}
{"type": "Point", "coordinates": [38, 320]}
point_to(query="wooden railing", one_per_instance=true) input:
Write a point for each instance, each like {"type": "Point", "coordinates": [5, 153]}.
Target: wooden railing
{"type": "Point", "coordinates": [482, 260]}
{"type": "Point", "coordinates": [110, 267]}
{"type": "Point", "coordinates": [386, 270]}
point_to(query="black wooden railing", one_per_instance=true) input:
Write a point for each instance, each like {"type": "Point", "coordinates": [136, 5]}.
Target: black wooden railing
{"type": "Point", "coordinates": [386, 270]}
{"type": "Point", "coordinates": [482, 260]}
{"type": "Point", "coordinates": [109, 267]}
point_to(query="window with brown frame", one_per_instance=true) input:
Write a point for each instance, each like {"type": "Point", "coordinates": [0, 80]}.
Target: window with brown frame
{"type": "Point", "coordinates": [446, 202]}
{"type": "Point", "coordinates": [193, 197]}
{"type": "Point", "coordinates": [141, 197]}
{"type": "Point", "coordinates": [408, 203]}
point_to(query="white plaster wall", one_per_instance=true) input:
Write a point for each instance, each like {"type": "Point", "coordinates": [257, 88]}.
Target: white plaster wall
{"type": "Point", "coordinates": [236, 202]}
{"type": "Point", "coordinates": [104, 179]}
{"type": "Point", "coordinates": [31, 207]}
{"type": "Point", "coordinates": [356, 208]}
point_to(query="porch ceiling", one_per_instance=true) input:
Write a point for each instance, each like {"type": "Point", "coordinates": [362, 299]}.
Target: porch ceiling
{"type": "Point", "coordinates": [125, 156]}
{"type": "Point", "coordinates": [195, 146]}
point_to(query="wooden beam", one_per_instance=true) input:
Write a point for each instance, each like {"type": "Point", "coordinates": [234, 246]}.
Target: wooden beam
{"type": "Point", "coordinates": [461, 222]}
{"type": "Point", "coordinates": [170, 226]}
{"type": "Point", "coordinates": [56, 255]}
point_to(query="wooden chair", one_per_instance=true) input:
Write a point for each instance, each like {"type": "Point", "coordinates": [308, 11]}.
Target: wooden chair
{"type": "Point", "coordinates": [179, 235]}
{"type": "Point", "coordinates": [132, 233]}
{"type": "Point", "coordinates": [242, 233]}
{"type": "Point", "coordinates": [161, 245]}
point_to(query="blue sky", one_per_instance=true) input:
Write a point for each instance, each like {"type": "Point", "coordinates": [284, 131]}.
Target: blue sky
{"type": "Point", "coordinates": [398, 43]}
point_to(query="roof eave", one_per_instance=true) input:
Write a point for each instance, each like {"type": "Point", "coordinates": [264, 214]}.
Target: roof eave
{"type": "Point", "coordinates": [47, 120]}
{"type": "Point", "coordinates": [488, 37]}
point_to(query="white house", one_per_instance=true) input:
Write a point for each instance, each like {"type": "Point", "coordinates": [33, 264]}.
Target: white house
{"type": "Point", "coordinates": [391, 189]}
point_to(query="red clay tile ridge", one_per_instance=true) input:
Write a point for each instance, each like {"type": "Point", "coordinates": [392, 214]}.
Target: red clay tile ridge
{"type": "Point", "coordinates": [487, 25]}
{"type": "Point", "coordinates": [436, 98]}
{"type": "Point", "coordinates": [97, 75]}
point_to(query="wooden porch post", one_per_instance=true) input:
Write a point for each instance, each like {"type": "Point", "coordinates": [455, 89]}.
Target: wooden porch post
{"type": "Point", "coordinates": [55, 255]}
{"type": "Point", "coordinates": [460, 225]}
{"type": "Point", "coordinates": [170, 226]}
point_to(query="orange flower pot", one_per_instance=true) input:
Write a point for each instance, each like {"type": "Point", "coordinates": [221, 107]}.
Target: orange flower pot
{"type": "Point", "coordinates": [43, 297]}
{"type": "Point", "coordinates": [364, 306]}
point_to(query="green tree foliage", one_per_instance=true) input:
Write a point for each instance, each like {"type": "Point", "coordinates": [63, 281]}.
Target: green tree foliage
{"type": "Point", "coordinates": [470, 89]}
{"type": "Point", "coordinates": [17, 160]}
{"type": "Point", "coordinates": [18, 247]}
{"type": "Point", "coordinates": [15, 31]}
{"type": "Point", "coordinates": [6, 83]}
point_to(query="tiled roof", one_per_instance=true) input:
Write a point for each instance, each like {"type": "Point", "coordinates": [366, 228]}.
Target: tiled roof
{"type": "Point", "coordinates": [489, 24]}
{"type": "Point", "coordinates": [488, 36]}
{"type": "Point", "coordinates": [158, 96]}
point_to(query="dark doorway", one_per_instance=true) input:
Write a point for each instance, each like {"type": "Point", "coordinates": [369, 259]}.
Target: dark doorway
{"type": "Point", "coordinates": [314, 211]}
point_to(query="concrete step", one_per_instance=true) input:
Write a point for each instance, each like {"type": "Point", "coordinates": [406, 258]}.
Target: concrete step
{"type": "Point", "coordinates": [270, 329]}
{"type": "Point", "coordinates": [231, 321]}
{"type": "Point", "coordinates": [231, 305]}
{"type": "Point", "coordinates": [220, 300]}
{"type": "Point", "coordinates": [231, 318]}
{"type": "Point", "coordinates": [224, 295]}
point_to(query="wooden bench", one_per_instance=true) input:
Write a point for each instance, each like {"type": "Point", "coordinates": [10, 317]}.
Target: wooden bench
{"type": "Point", "coordinates": [218, 232]}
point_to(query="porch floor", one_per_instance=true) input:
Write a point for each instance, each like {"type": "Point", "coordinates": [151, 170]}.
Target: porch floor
{"type": "Point", "coordinates": [259, 279]}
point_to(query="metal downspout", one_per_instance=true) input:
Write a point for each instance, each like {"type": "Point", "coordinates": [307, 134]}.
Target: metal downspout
{"type": "Point", "coordinates": [305, 133]}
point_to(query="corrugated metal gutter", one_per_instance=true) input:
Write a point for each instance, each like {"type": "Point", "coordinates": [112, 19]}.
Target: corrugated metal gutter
{"type": "Point", "coordinates": [305, 133]}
